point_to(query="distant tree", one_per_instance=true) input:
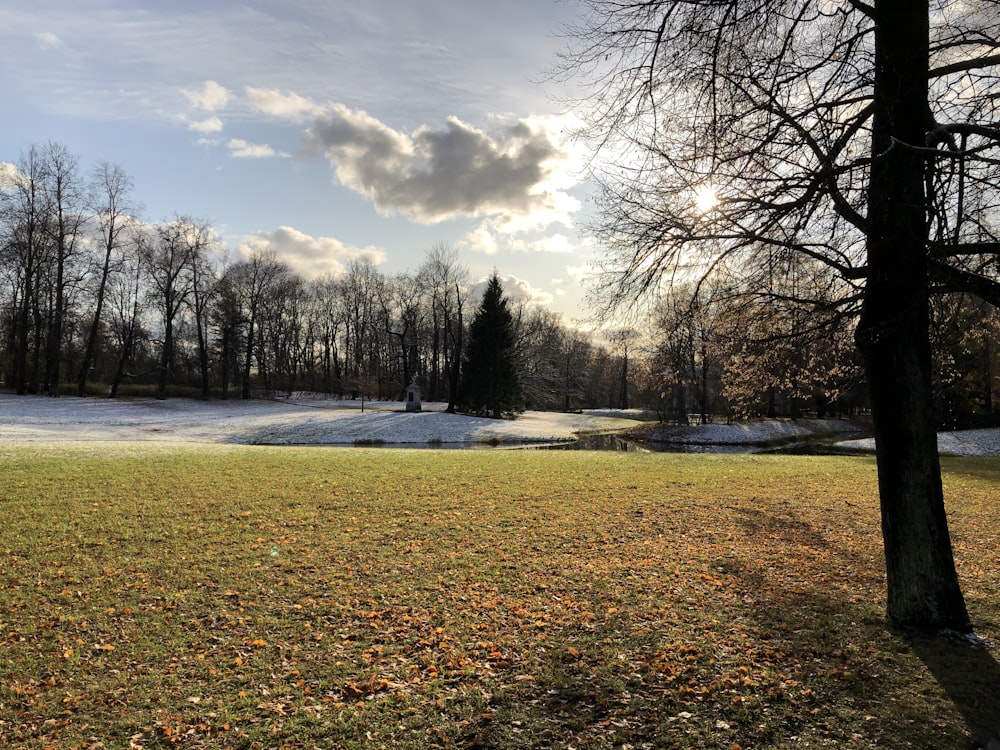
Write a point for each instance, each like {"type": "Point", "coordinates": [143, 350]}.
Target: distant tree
{"type": "Point", "coordinates": [67, 206]}
{"type": "Point", "coordinates": [204, 287]}
{"type": "Point", "coordinates": [403, 316]}
{"type": "Point", "coordinates": [544, 344]}
{"type": "Point", "coordinates": [362, 288]}
{"type": "Point", "coordinates": [167, 263]}
{"type": "Point", "coordinates": [574, 355]}
{"type": "Point", "coordinates": [489, 384]}
{"type": "Point", "coordinates": [965, 334]}
{"type": "Point", "coordinates": [125, 297]}
{"type": "Point", "coordinates": [443, 280]}
{"type": "Point", "coordinates": [113, 217]}
{"type": "Point", "coordinates": [227, 320]}
{"type": "Point", "coordinates": [683, 332]}
{"type": "Point", "coordinates": [328, 315]}
{"type": "Point", "coordinates": [247, 287]}
{"type": "Point", "coordinates": [24, 209]}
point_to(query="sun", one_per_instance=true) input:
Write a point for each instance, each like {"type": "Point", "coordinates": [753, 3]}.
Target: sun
{"type": "Point", "coordinates": [705, 199]}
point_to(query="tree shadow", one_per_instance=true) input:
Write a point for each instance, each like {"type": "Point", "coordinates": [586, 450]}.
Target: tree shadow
{"type": "Point", "coordinates": [966, 671]}
{"type": "Point", "coordinates": [970, 676]}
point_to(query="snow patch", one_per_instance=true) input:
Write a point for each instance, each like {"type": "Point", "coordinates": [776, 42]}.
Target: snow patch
{"type": "Point", "coordinates": [297, 421]}
{"type": "Point", "coordinates": [308, 420]}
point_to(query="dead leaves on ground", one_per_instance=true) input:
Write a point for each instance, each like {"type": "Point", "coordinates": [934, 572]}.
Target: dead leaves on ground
{"type": "Point", "coordinates": [617, 605]}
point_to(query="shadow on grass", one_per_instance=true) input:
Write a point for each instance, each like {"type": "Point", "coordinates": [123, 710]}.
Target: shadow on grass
{"type": "Point", "coordinates": [971, 678]}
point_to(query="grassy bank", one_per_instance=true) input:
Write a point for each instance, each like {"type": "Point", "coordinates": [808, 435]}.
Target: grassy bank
{"type": "Point", "coordinates": [261, 597]}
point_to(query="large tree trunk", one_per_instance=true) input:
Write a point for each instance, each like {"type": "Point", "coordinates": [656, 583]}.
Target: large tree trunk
{"type": "Point", "coordinates": [893, 334]}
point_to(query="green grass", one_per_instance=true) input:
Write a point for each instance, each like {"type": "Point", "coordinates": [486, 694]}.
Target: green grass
{"type": "Point", "coordinates": [309, 597]}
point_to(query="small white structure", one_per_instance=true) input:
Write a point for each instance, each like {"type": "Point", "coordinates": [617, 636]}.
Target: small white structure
{"type": "Point", "coordinates": [413, 396]}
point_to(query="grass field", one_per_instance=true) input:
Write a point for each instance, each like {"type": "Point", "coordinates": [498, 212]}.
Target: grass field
{"type": "Point", "coordinates": [242, 597]}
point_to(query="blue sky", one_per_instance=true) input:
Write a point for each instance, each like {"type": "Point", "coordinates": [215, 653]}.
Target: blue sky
{"type": "Point", "coordinates": [324, 129]}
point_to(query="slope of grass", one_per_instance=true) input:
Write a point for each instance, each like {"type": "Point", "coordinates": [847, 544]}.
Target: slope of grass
{"type": "Point", "coordinates": [259, 597]}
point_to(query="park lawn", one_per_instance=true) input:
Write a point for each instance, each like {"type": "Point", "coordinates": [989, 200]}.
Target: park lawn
{"type": "Point", "coordinates": [247, 597]}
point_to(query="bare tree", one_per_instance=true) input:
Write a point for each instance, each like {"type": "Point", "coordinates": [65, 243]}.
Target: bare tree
{"type": "Point", "coordinates": [249, 284]}
{"type": "Point", "coordinates": [444, 281]}
{"type": "Point", "coordinates": [203, 290]}
{"type": "Point", "coordinates": [125, 297]}
{"type": "Point", "coordinates": [361, 288]}
{"type": "Point", "coordinates": [328, 312]}
{"type": "Point", "coordinates": [403, 315]}
{"type": "Point", "coordinates": [113, 216]}
{"type": "Point", "coordinates": [167, 264]}
{"type": "Point", "coordinates": [859, 134]}
{"type": "Point", "coordinates": [66, 200]}
{"type": "Point", "coordinates": [26, 217]}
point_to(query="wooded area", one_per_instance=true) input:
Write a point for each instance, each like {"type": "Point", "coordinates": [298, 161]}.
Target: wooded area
{"type": "Point", "coordinates": [96, 300]}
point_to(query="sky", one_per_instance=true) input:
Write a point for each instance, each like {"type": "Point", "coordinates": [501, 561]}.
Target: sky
{"type": "Point", "coordinates": [326, 130]}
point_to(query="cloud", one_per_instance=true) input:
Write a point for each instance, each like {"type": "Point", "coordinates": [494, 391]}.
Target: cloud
{"type": "Point", "coordinates": [211, 96]}
{"type": "Point", "coordinates": [519, 290]}
{"type": "Point", "coordinates": [289, 106]}
{"type": "Point", "coordinates": [516, 290]}
{"type": "Point", "coordinates": [494, 235]}
{"type": "Point", "coordinates": [47, 40]}
{"type": "Point", "coordinates": [515, 172]}
{"type": "Point", "coordinates": [582, 274]}
{"type": "Point", "coordinates": [211, 125]}
{"type": "Point", "coordinates": [240, 149]}
{"type": "Point", "coordinates": [482, 240]}
{"type": "Point", "coordinates": [310, 256]}
{"type": "Point", "coordinates": [9, 174]}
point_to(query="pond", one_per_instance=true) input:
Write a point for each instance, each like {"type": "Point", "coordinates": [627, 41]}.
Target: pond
{"type": "Point", "coordinates": [815, 445]}
{"type": "Point", "coordinates": [629, 443]}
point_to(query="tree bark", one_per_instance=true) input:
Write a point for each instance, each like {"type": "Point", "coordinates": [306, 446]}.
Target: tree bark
{"type": "Point", "coordinates": [893, 333]}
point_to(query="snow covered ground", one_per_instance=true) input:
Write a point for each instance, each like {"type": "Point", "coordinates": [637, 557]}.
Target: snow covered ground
{"type": "Point", "coordinates": [958, 443]}
{"type": "Point", "coordinates": [299, 421]}
{"type": "Point", "coordinates": [320, 421]}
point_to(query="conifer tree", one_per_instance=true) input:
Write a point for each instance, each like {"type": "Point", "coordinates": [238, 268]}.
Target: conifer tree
{"type": "Point", "coordinates": [489, 385]}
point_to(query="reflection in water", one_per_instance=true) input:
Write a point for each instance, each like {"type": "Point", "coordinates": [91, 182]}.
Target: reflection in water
{"type": "Point", "coordinates": [598, 442]}
{"type": "Point", "coordinates": [610, 441]}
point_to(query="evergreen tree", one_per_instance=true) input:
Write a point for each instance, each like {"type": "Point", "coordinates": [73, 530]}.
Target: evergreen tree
{"type": "Point", "coordinates": [489, 385]}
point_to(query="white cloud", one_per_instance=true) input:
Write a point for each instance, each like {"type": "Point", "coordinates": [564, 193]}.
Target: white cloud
{"type": "Point", "coordinates": [288, 106]}
{"type": "Point", "coordinates": [240, 149]}
{"type": "Point", "coordinates": [520, 290]}
{"type": "Point", "coordinates": [494, 235]}
{"type": "Point", "coordinates": [9, 174]}
{"type": "Point", "coordinates": [582, 274]}
{"type": "Point", "coordinates": [211, 96]}
{"type": "Point", "coordinates": [481, 240]}
{"type": "Point", "coordinates": [516, 290]}
{"type": "Point", "coordinates": [47, 40]}
{"type": "Point", "coordinates": [516, 173]}
{"type": "Point", "coordinates": [555, 243]}
{"type": "Point", "coordinates": [310, 256]}
{"type": "Point", "coordinates": [210, 125]}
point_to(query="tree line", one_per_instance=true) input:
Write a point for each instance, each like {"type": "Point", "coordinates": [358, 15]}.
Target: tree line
{"type": "Point", "coordinates": [777, 344]}
{"type": "Point", "coordinates": [97, 301]}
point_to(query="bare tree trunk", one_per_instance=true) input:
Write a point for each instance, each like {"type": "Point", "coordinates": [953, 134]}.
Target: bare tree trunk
{"type": "Point", "coordinates": [166, 369]}
{"type": "Point", "coordinates": [456, 336]}
{"type": "Point", "coordinates": [53, 350]}
{"type": "Point", "coordinates": [893, 334]}
{"type": "Point", "coordinates": [113, 184]}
